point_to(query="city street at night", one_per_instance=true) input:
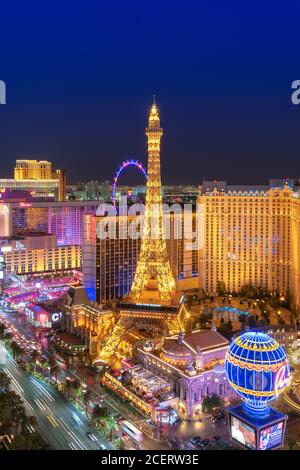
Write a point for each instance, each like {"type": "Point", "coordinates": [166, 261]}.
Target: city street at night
{"type": "Point", "coordinates": [60, 423]}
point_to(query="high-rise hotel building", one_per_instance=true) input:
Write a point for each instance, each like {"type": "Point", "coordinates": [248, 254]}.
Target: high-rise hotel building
{"type": "Point", "coordinates": [251, 236]}
{"type": "Point", "coordinates": [108, 263]}
{"type": "Point", "coordinates": [38, 177]}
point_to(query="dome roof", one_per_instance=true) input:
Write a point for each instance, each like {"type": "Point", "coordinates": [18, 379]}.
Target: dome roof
{"type": "Point", "coordinates": [175, 350]}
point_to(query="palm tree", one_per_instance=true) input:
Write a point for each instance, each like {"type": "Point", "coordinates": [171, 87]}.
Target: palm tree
{"type": "Point", "coordinates": [2, 331]}
{"type": "Point", "coordinates": [99, 412]}
{"type": "Point", "coordinates": [111, 425]}
{"type": "Point", "coordinates": [14, 348]}
{"type": "Point", "coordinates": [76, 386]}
{"type": "Point", "coordinates": [4, 382]}
{"type": "Point", "coordinates": [43, 364]}
{"type": "Point", "coordinates": [68, 387]}
{"type": "Point", "coordinates": [54, 367]}
{"type": "Point", "coordinates": [8, 337]}
{"type": "Point", "coordinates": [86, 398]}
{"type": "Point", "coordinates": [34, 358]}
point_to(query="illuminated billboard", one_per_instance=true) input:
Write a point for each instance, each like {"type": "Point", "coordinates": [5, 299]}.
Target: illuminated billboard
{"type": "Point", "coordinates": [271, 436]}
{"type": "Point", "coordinates": [242, 432]}
{"type": "Point", "coordinates": [255, 433]}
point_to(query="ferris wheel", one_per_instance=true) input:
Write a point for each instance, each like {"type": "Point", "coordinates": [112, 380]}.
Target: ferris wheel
{"type": "Point", "coordinates": [121, 168]}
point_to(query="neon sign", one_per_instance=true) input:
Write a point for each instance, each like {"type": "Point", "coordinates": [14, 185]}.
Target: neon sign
{"type": "Point", "coordinates": [281, 380]}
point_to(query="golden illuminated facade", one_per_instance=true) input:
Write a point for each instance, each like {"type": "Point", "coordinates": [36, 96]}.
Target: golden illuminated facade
{"type": "Point", "coordinates": [153, 307]}
{"type": "Point", "coordinates": [33, 170]}
{"type": "Point", "coordinates": [109, 263]}
{"type": "Point", "coordinates": [38, 253]}
{"type": "Point", "coordinates": [251, 236]}
{"type": "Point", "coordinates": [90, 323]}
{"type": "Point", "coordinates": [38, 177]}
{"type": "Point", "coordinates": [295, 250]}
{"type": "Point", "coordinates": [153, 267]}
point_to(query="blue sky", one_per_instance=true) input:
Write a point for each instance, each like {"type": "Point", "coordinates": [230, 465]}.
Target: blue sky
{"type": "Point", "coordinates": [80, 78]}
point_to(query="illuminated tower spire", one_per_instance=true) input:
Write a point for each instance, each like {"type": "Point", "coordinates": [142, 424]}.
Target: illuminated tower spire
{"type": "Point", "coordinates": [153, 271]}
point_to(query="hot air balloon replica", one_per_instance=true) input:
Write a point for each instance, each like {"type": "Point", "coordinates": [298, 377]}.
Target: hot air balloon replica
{"type": "Point", "coordinates": [258, 370]}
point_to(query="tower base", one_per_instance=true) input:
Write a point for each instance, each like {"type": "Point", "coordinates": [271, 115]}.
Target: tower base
{"type": "Point", "coordinates": [256, 433]}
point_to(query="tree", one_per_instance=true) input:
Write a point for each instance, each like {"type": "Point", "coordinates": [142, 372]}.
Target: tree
{"type": "Point", "coordinates": [251, 321]}
{"type": "Point", "coordinates": [29, 441]}
{"type": "Point", "coordinates": [211, 402]}
{"type": "Point", "coordinates": [86, 398]}
{"type": "Point", "coordinates": [262, 322]}
{"type": "Point", "coordinates": [76, 388]}
{"type": "Point", "coordinates": [44, 363]}
{"type": "Point", "coordinates": [225, 329]}
{"type": "Point", "coordinates": [99, 412]}
{"type": "Point", "coordinates": [221, 288]}
{"type": "Point", "coordinates": [54, 367]}
{"type": "Point", "coordinates": [4, 382]}
{"type": "Point", "coordinates": [291, 443]}
{"type": "Point", "coordinates": [8, 337]}
{"type": "Point", "coordinates": [14, 348]}
{"type": "Point", "coordinates": [110, 425]}
{"type": "Point", "coordinates": [35, 355]}
{"type": "Point", "coordinates": [2, 331]}
{"type": "Point", "coordinates": [248, 292]}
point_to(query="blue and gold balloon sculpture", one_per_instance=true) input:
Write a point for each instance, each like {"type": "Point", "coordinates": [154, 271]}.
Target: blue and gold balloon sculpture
{"type": "Point", "coordinates": [258, 370]}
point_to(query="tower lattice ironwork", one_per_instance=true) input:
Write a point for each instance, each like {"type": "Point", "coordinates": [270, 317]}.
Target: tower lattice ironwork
{"type": "Point", "coordinates": [153, 271]}
{"type": "Point", "coordinates": [153, 276]}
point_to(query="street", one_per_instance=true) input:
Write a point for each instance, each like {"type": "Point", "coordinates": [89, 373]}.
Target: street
{"type": "Point", "coordinates": [61, 425]}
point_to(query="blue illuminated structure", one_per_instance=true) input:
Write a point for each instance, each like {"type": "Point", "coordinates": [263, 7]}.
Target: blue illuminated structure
{"type": "Point", "coordinates": [257, 368]}
{"type": "Point", "coordinates": [122, 167]}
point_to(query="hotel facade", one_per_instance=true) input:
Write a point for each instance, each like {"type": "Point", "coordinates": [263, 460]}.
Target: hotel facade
{"type": "Point", "coordinates": [251, 236]}
{"type": "Point", "coordinates": [108, 263]}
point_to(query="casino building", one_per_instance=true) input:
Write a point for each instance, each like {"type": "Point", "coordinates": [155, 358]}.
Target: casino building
{"type": "Point", "coordinates": [193, 363]}
{"type": "Point", "coordinates": [109, 263]}
{"type": "Point", "coordinates": [251, 236]}
{"type": "Point", "coordinates": [63, 219]}
{"type": "Point", "coordinates": [38, 178]}
{"type": "Point", "coordinates": [37, 253]}
{"type": "Point", "coordinates": [87, 321]}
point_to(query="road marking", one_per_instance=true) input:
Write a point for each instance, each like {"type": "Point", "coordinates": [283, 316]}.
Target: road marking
{"type": "Point", "coordinates": [73, 447]}
{"type": "Point", "coordinates": [39, 404]}
{"type": "Point", "coordinates": [77, 440]}
{"type": "Point", "coordinates": [52, 421]}
{"type": "Point", "coordinates": [42, 388]}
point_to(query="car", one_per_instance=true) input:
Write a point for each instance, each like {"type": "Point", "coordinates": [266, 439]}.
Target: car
{"type": "Point", "coordinates": [102, 446]}
{"type": "Point", "coordinates": [204, 443]}
{"type": "Point", "coordinates": [196, 440]}
{"type": "Point", "coordinates": [215, 438]}
{"type": "Point", "coordinates": [217, 417]}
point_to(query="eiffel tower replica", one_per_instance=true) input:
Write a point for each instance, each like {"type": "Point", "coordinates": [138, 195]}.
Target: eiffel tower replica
{"type": "Point", "coordinates": [152, 307]}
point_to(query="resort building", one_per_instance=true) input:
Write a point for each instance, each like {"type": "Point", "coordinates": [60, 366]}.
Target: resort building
{"type": "Point", "coordinates": [193, 363]}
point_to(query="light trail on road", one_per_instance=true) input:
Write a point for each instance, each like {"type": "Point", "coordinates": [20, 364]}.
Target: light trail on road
{"type": "Point", "coordinates": [59, 421]}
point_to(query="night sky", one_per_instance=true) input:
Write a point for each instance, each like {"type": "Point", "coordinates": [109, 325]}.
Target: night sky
{"type": "Point", "coordinates": [80, 76]}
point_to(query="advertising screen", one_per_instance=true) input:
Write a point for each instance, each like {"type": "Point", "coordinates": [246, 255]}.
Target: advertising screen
{"type": "Point", "coordinates": [271, 436]}
{"type": "Point", "coordinates": [242, 432]}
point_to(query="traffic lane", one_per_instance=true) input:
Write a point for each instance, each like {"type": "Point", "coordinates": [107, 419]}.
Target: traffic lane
{"type": "Point", "coordinates": [206, 430]}
{"type": "Point", "coordinates": [53, 411]}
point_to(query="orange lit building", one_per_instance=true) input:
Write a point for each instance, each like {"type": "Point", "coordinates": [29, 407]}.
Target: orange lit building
{"type": "Point", "coordinates": [251, 236]}
{"type": "Point", "coordinates": [36, 253]}
{"type": "Point", "coordinates": [28, 173]}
